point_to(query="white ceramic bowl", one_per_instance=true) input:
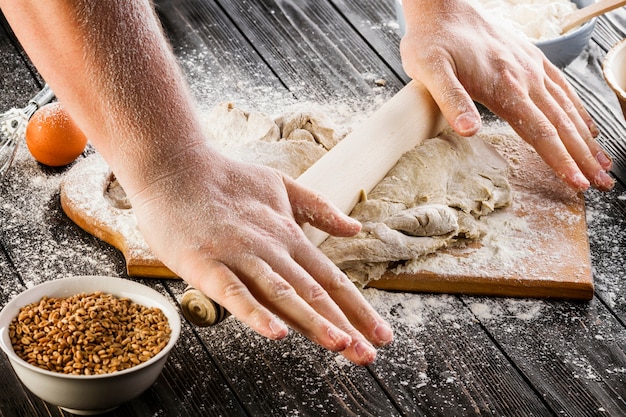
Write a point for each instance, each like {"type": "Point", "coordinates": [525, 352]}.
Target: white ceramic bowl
{"type": "Point", "coordinates": [561, 51]}
{"type": "Point", "coordinates": [89, 394]}
{"type": "Point", "coordinates": [614, 69]}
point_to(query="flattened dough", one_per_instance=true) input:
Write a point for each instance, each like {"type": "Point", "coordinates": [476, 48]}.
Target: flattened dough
{"type": "Point", "coordinates": [435, 195]}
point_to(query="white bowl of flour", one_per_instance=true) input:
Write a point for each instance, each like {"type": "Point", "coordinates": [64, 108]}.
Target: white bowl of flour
{"type": "Point", "coordinates": [536, 20]}
{"type": "Point", "coordinates": [565, 48]}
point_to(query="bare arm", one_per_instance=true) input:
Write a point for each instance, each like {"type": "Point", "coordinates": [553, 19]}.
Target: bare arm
{"type": "Point", "coordinates": [459, 57]}
{"type": "Point", "coordinates": [229, 229]}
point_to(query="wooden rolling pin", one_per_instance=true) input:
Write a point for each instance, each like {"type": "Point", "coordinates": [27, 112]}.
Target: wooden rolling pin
{"type": "Point", "coordinates": [364, 157]}
{"type": "Point", "coordinates": [355, 166]}
{"type": "Point", "coordinates": [200, 309]}
{"type": "Point", "coordinates": [595, 9]}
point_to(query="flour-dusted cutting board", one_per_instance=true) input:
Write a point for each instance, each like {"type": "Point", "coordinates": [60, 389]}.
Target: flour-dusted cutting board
{"type": "Point", "coordinates": [537, 247]}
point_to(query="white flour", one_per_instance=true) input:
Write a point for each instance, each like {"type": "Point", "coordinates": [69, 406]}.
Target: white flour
{"type": "Point", "coordinates": [535, 19]}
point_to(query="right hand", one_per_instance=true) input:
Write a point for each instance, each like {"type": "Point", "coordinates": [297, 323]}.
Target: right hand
{"type": "Point", "coordinates": [460, 57]}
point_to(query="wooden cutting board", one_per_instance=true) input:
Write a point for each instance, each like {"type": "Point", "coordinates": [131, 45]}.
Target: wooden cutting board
{"type": "Point", "coordinates": [539, 246]}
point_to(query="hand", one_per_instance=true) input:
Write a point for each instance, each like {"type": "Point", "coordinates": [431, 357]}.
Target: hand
{"type": "Point", "coordinates": [231, 230]}
{"type": "Point", "coordinates": [460, 57]}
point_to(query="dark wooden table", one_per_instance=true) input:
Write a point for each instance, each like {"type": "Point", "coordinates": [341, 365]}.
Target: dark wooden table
{"type": "Point", "coordinates": [453, 355]}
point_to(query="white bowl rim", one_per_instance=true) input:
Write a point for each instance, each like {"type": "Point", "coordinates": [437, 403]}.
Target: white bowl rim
{"type": "Point", "coordinates": [15, 303]}
{"type": "Point", "coordinates": [607, 69]}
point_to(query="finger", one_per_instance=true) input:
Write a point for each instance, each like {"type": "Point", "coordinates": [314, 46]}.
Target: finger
{"type": "Point", "coordinates": [542, 135]}
{"type": "Point", "coordinates": [575, 135]}
{"type": "Point", "coordinates": [280, 296]}
{"type": "Point", "coordinates": [315, 209]}
{"type": "Point", "coordinates": [531, 124]}
{"type": "Point", "coordinates": [566, 96]}
{"type": "Point", "coordinates": [331, 278]}
{"type": "Point", "coordinates": [217, 281]}
{"type": "Point", "coordinates": [557, 76]}
{"type": "Point", "coordinates": [453, 100]}
{"type": "Point", "coordinates": [320, 300]}
{"type": "Point", "coordinates": [456, 105]}
{"type": "Point", "coordinates": [347, 297]}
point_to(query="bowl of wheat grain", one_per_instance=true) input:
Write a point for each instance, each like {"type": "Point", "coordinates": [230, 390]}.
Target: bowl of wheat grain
{"type": "Point", "coordinates": [89, 343]}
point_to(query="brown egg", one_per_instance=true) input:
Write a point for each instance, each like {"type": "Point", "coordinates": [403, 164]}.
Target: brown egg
{"type": "Point", "coordinates": [52, 136]}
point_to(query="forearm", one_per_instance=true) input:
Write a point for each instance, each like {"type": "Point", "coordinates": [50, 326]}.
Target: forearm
{"type": "Point", "coordinates": [109, 64]}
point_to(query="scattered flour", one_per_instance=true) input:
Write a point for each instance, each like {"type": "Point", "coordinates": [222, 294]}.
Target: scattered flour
{"type": "Point", "coordinates": [35, 233]}
{"type": "Point", "coordinates": [521, 309]}
{"type": "Point", "coordinates": [607, 238]}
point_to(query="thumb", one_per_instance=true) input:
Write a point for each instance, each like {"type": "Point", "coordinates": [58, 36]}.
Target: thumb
{"type": "Point", "coordinates": [457, 106]}
{"type": "Point", "coordinates": [318, 211]}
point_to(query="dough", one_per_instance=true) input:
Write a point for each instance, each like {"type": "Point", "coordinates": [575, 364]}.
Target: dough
{"type": "Point", "coordinates": [290, 143]}
{"type": "Point", "coordinates": [314, 127]}
{"type": "Point", "coordinates": [115, 195]}
{"type": "Point", "coordinates": [228, 127]}
{"type": "Point", "coordinates": [433, 197]}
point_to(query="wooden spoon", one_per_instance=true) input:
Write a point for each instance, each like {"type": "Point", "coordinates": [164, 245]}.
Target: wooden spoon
{"type": "Point", "coordinates": [589, 12]}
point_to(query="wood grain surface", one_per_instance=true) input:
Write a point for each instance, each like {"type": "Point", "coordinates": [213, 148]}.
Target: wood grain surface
{"type": "Point", "coordinates": [452, 355]}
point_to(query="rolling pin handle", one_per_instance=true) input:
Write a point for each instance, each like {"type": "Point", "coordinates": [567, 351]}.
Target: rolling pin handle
{"type": "Point", "coordinates": [200, 309]}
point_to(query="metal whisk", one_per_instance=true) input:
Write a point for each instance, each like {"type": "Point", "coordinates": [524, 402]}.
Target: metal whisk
{"type": "Point", "coordinates": [13, 124]}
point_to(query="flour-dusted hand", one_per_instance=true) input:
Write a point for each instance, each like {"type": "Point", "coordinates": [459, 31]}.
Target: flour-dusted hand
{"type": "Point", "coordinates": [229, 229]}
{"type": "Point", "coordinates": [460, 57]}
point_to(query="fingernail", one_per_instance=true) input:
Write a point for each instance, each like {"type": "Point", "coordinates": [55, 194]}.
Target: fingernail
{"type": "Point", "coordinates": [278, 327]}
{"type": "Point", "coordinates": [604, 160]}
{"type": "Point", "coordinates": [604, 181]}
{"type": "Point", "coordinates": [365, 351]}
{"type": "Point", "coordinates": [580, 182]}
{"type": "Point", "coordinates": [340, 340]}
{"type": "Point", "coordinates": [593, 129]}
{"type": "Point", "coordinates": [383, 333]}
{"type": "Point", "coordinates": [467, 123]}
